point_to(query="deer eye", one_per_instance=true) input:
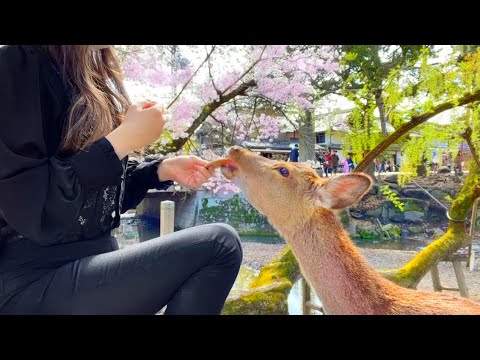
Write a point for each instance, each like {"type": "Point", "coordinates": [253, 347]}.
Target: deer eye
{"type": "Point", "coordinates": [283, 171]}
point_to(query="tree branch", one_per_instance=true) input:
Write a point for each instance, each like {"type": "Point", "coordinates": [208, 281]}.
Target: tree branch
{"type": "Point", "coordinates": [219, 93]}
{"type": "Point", "coordinates": [248, 70]}
{"type": "Point", "coordinates": [415, 121]}
{"type": "Point", "coordinates": [208, 109]}
{"type": "Point", "coordinates": [189, 80]}
{"type": "Point", "coordinates": [467, 135]}
{"type": "Point", "coordinates": [218, 121]}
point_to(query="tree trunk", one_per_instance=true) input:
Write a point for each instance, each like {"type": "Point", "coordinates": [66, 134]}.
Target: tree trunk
{"type": "Point", "coordinates": [381, 110]}
{"type": "Point", "coordinates": [415, 121]}
{"type": "Point", "coordinates": [455, 237]}
{"type": "Point", "coordinates": [307, 138]}
{"type": "Point", "coordinates": [370, 170]}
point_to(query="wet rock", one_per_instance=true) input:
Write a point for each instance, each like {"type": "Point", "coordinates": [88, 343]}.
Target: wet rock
{"type": "Point", "coordinates": [439, 194]}
{"type": "Point", "coordinates": [393, 230]}
{"type": "Point", "coordinates": [415, 230]}
{"type": "Point", "coordinates": [412, 204]}
{"type": "Point", "coordinates": [375, 212]}
{"type": "Point", "coordinates": [367, 233]}
{"type": "Point", "coordinates": [356, 215]}
{"type": "Point", "coordinates": [395, 214]}
{"type": "Point", "coordinates": [443, 170]}
{"type": "Point", "coordinates": [384, 212]}
{"type": "Point", "coordinates": [392, 178]}
{"type": "Point", "coordinates": [373, 190]}
{"type": "Point", "coordinates": [415, 193]}
{"type": "Point", "coordinates": [414, 216]}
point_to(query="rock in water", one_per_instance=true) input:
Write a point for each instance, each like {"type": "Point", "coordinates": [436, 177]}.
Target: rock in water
{"type": "Point", "coordinates": [414, 216]}
{"type": "Point", "coordinates": [443, 170]}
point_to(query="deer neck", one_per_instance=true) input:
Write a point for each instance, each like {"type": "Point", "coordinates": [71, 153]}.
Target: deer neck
{"type": "Point", "coordinates": [332, 265]}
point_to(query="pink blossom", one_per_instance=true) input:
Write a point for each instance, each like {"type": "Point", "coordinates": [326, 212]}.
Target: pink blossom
{"type": "Point", "coordinates": [282, 75]}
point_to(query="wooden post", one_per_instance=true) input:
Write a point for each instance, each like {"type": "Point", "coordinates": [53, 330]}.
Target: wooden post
{"type": "Point", "coordinates": [471, 260]}
{"type": "Point", "coordinates": [167, 217]}
{"type": "Point", "coordinates": [462, 284]}
{"type": "Point", "coordinates": [305, 297]}
{"type": "Point", "coordinates": [437, 286]}
{"type": "Point", "coordinates": [473, 223]}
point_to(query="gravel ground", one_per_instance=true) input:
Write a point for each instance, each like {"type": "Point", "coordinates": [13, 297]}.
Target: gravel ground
{"type": "Point", "coordinates": [256, 255]}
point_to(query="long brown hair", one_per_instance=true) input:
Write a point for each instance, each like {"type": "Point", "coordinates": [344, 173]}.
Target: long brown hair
{"type": "Point", "coordinates": [99, 97]}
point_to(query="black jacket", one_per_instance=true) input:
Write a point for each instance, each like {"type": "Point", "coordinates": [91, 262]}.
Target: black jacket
{"type": "Point", "coordinates": [47, 197]}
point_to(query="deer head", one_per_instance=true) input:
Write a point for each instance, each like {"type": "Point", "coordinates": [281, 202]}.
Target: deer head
{"type": "Point", "coordinates": [287, 192]}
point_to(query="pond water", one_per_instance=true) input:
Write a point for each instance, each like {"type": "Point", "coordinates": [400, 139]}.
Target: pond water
{"type": "Point", "coordinates": [133, 230]}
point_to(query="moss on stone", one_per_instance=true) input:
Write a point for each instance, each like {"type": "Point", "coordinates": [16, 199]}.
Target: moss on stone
{"type": "Point", "coordinates": [411, 206]}
{"type": "Point", "coordinates": [393, 230]}
{"type": "Point", "coordinates": [268, 292]}
{"type": "Point", "coordinates": [258, 303]}
{"type": "Point", "coordinates": [368, 234]}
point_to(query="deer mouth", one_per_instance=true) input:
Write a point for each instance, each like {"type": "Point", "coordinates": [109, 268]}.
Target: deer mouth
{"type": "Point", "coordinates": [229, 169]}
{"type": "Point", "coordinates": [226, 165]}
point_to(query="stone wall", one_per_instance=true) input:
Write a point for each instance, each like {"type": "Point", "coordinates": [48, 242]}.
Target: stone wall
{"type": "Point", "coordinates": [202, 207]}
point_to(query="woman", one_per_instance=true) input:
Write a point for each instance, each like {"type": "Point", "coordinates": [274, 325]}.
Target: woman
{"type": "Point", "coordinates": [66, 129]}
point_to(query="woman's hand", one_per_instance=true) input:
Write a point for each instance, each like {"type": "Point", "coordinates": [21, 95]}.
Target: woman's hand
{"type": "Point", "coordinates": [188, 171]}
{"type": "Point", "coordinates": [143, 124]}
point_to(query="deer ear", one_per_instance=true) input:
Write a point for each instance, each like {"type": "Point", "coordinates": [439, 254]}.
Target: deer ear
{"type": "Point", "coordinates": [344, 190]}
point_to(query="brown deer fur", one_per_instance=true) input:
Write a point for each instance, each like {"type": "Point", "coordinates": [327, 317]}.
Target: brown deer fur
{"type": "Point", "coordinates": [300, 206]}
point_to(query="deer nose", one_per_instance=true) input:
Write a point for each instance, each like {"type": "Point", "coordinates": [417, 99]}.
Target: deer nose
{"type": "Point", "coordinates": [235, 150]}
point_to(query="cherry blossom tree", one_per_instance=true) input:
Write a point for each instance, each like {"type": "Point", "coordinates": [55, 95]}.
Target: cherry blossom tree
{"type": "Point", "coordinates": [225, 87]}
{"type": "Point", "coordinates": [241, 93]}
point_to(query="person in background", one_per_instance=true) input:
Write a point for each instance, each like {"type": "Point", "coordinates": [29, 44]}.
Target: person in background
{"type": "Point", "coordinates": [434, 167]}
{"type": "Point", "coordinates": [351, 166]}
{"type": "Point", "coordinates": [345, 166]}
{"type": "Point", "coordinates": [458, 162]}
{"type": "Point", "coordinates": [294, 154]}
{"type": "Point", "coordinates": [320, 157]}
{"type": "Point", "coordinates": [335, 160]}
{"type": "Point", "coordinates": [328, 167]}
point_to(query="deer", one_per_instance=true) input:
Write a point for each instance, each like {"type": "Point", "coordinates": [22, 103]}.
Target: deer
{"type": "Point", "coordinates": [303, 208]}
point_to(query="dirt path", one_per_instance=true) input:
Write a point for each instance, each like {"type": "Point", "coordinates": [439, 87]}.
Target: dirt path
{"type": "Point", "coordinates": [256, 255]}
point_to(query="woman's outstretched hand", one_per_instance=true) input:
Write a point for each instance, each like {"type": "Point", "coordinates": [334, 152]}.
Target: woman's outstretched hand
{"type": "Point", "coordinates": [188, 171]}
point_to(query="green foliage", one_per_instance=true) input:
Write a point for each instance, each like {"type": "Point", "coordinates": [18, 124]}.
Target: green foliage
{"type": "Point", "coordinates": [392, 196]}
{"type": "Point", "coordinates": [412, 81]}
{"type": "Point", "coordinates": [371, 68]}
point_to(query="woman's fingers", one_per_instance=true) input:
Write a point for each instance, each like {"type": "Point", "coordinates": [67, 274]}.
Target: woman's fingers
{"type": "Point", "coordinates": [202, 173]}
{"type": "Point", "coordinates": [211, 170]}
